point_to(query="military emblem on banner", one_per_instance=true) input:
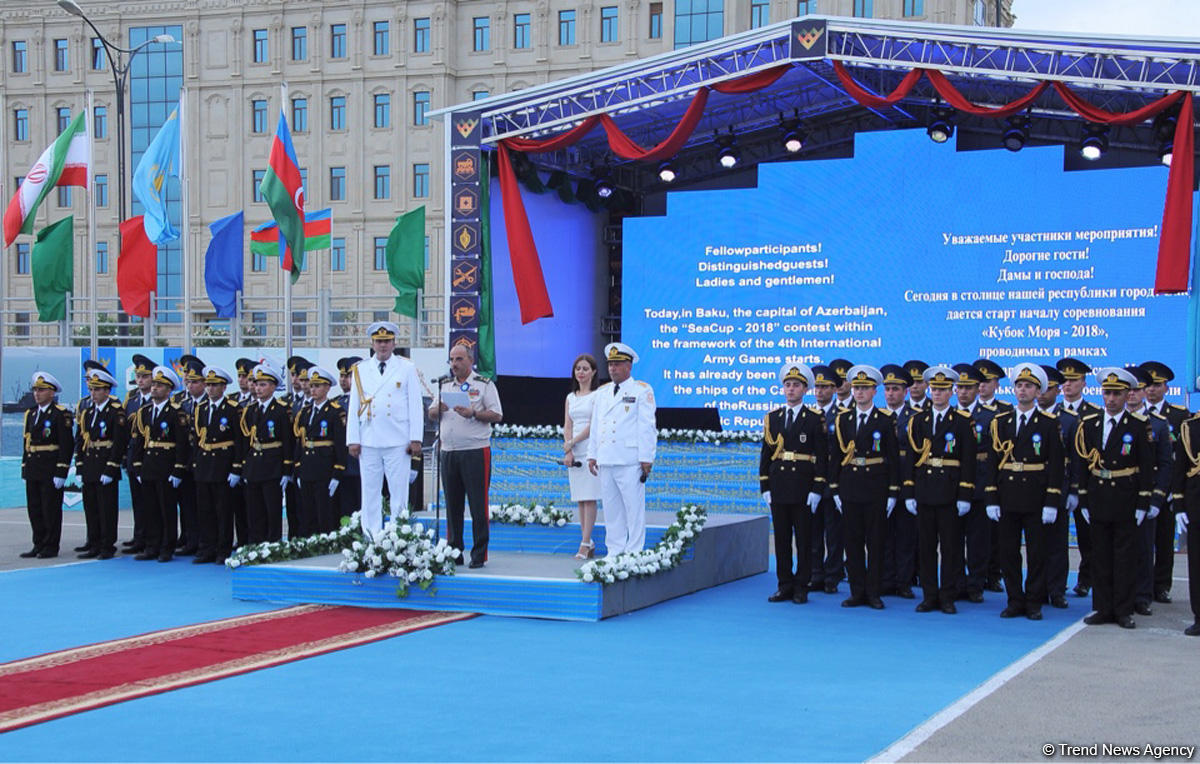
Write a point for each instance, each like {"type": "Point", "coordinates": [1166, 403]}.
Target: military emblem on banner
{"type": "Point", "coordinates": [465, 239]}
{"type": "Point", "coordinates": [468, 338]}
{"type": "Point", "coordinates": [808, 39]}
{"type": "Point", "coordinates": [464, 312]}
{"type": "Point", "coordinates": [466, 203]}
{"type": "Point", "coordinates": [465, 166]}
{"type": "Point", "coordinates": [464, 276]}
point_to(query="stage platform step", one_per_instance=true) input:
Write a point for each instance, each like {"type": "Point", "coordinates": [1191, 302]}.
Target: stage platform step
{"type": "Point", "coordinates": [529, 584]}
{"type": "Point", "coordinates": [545, 539]}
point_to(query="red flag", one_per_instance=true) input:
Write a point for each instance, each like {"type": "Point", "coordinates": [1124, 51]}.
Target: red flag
{"type": "Point", "coordinates": [137, 268]}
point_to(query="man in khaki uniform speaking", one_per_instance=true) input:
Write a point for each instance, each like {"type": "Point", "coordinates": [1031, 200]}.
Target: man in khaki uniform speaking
{"type": "Point", "coordinates": [621, 450]}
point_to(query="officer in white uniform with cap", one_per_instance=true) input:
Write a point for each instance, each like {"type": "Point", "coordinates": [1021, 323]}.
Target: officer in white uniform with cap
{"type": "Point", "coordinates": [621, 450]}
{"type": "Point", "coordinates": [384, 423]}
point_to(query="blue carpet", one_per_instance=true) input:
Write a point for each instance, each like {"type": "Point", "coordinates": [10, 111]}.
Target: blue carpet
{"type": "Point", "coordinates": [718, 675]}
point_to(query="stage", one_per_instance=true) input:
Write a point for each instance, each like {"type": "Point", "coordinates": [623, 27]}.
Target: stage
{"type": "Point", "coordinates": [530, 573]}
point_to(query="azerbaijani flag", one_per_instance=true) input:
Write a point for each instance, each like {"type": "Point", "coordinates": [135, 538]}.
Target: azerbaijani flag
{"type": "Point", "coordinates": [266, 240]}
{"type": "Point", "coordinates": [284, 192]}
{"type": "Point", "coordinates": [64, 163]}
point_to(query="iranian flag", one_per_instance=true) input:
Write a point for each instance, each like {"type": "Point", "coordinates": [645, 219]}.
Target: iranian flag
{"type": "Point", "coordinates": [64, 163]}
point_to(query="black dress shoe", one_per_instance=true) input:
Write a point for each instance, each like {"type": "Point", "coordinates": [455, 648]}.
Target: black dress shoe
{"type": "Point", "coordinates": [203, 558]}
{"type": "Point", "coordinates": [948, 608]}
{"type": "Point", "coordinates": [831, 587]}
{"type": "Point", "coordinates": [1142, 608]}
{"type": "Point", "coordinates": [1163, 597]}
{"type": "Point", "coordinates": [476, 564]}
{"type": "Point", "coordinates": [29, 554]}
{"type": "Point", "coordinates": [1058, 601]}
{"type": "Point", "coordinates": [994, 586]}
{"type": "Point", "coordinates": [134, 549]}
{"type": "Point", "coordinates": [854, 602]}
{"type": "Point", "coordinates": [107, 554]}
{"type": "Point", "coordinates": [1011, 612]}
{"type": "Point", "coordinates": [780, 596]}
{"type": "Point", "coordinates": [146, 555]}
{"type": "Point", "coordinates": [165, 557]}
{"type": "Point", "coordinates": [1034, 615]}
{"type": "Point", "coordinates": [976, 597]}
{"type": "Point", "coordinates": [1099, 619]}
{"type": "Point", "coordinates": [1081, 590]}
{"type": "Point", "coordinates": [47, 554]}
{"type": "Point", "coordinates": [816, 586]}
{"type": "Point", "coordinates": [925, 606]}
{"type": "Point", "coordinates": [800, 597]}
{"type": "Point", "coordinates": [187, 551]}
{"type": "Point", "coordinates": [875, 603]}
{"type": "Point", "coordinates": [905, 593]}
{"type": "Point", "coordinates": [1193, 630]}
{"type": "Point", "coordinates": [1126, 622]}
{"type": "Point", "coordinates": [129, 543]}
{"type": "Point", "coordinates": [84, 548]}
{"type": "Point", "coordinates": [88, 555]}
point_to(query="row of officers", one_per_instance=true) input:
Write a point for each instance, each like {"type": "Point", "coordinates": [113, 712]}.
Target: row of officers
{"type": "Point", "coordinates": [206, 468]}
{"type": "Point", "coordinates": [939, 487]}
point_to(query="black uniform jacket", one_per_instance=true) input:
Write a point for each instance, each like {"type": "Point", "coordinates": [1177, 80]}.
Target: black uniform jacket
{"type": "Point", "coordinates": [161, 442]}
{"type": "Point", "coordinates": [320, 442]}
{"type": "Point", "coordinates": [1118, 475]}
{"type": "Point", "coordinates": [939, 466]}
{"type": "Point", "coordinates": [866, 466]}
{"type": "Point", "coordinates": [217, 440]}
{"type": "Point", "coordinates": [101, 441]}
{"type": "Point", "coordinates": [49, 443]}
{"type": "Point", "coordinates": [1029, 467]}
{"type": "Point", "coordinates": [794, 460]}
{"type": "Point", "coordinates": [269, 441]}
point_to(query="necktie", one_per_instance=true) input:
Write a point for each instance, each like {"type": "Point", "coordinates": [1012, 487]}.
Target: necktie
{"type": "Point", "coordinates": [1024, 421]}
{"type": "Point", "coordinates": [1150, 410]}
{"type": "Point", "coordinates": [382, 367]}
{"type": "Point", "coordinates": [862, 420]}
{"type": "Point", "coordinates": [937, 421]}
{"type": "Point", "coordinates": [790, 419]}
{"type": "Point", "coordinates": [1112, 423]}
{"type": "Point", "coordinates": [312, 416]}
{"type": "Point", "coordinates": [95, 416]}
{"type": "Point", "coordinates": [616, 387]}
{"type": "Point", "coordinates": [211, 406]}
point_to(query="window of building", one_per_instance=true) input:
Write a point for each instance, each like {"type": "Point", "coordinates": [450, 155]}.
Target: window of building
{"type": "Point", "coordinates": [300, 115]}
{"type": "Point", "coordinates": [22, 257]}
{"type": "Point", "coordinates": [806, 7]}
{"type": "Point", "coordinates": [299, 43]}
{"type": "Point", "coordinates": [337, 253]}
{"type": "Point", "coordinates": [299, 323]}
{"type": "Point", "coordinates": [383, 44]}
{"type": "Point", "coordinates": [421, 35]}
{"type": "Point", "coordinates": [258, 262]}
{"type": "Point", "coordinates": [421, 180]}
{"type": "Point", "coordinates": [566, 27]}
{"type": "Point", "coordinates": [261, 51]}
{"type": "Point", "coordinates": [609, 24]}
{"type": "Point", "coordinates": [258, 323]}
{"type": "Point", "coordinates": [99, 60]}
{"type": "Point", "coordinates": [337, 184]}
{"type": "Point", "coordinates": [381, 253]}
{"type": "Point", "coordinates": [62, 118]}
{"type": "Point", "coordinates": [698, 21]}
{"type": "Point", "coordinates": [383, 110]}
{"type": "Point", "coordinates": [337, 41]}
{"type": "Point", "coordinates": [258, 116]}
{"type": "Point", "coordinates": [483, 33]}
{"type": "Point", "coordinates": [914, 7]}
{"type": "Point", "coordinates": [980, 13]}
{"type": "Point", "coordinates": [256, 179]}
{"type": "Point", "coordinates": [100, 122]}
{"type": "Point", "coordinates": [760, 13]}
{"type": "Point", "coordinates": [337, 113]}
{"type": "Point", "coordinates": [421, 107]}
{"type": "Point", "coordinates": [383, 181]}
{"type": "Point", "coordinates": [21, 124]}
{"type": "Point", "coordinates": [102, 257]}
{"type": "Point", "coordinates": [64, 196]}
{"type": "Point", "coordinates": [100, 184]}
{"type": "Point", "coordinates": [20, 60]}
{"type": "Point", "coordinates": [864, 8]}
{"type": "Point", "coordinates": [479, 95]}
{"type": "Point", "coordinates": [656, 21]}
{"type": "Point", "coordinates": [21, 324]}
{"type": "Point", "coordinates": [522, 26]}
{"type": "Point", "coordinates": [62, 57]}
{"type": "Point", "coordinates": [304, 180]}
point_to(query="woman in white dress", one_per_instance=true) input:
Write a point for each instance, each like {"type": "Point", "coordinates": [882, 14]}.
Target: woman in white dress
{"type": "Point", "coordinates": [585, 487]}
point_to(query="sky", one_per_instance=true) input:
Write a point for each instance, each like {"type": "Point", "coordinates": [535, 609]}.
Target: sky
{"type": "Point", "coordinates": [1141, 18]}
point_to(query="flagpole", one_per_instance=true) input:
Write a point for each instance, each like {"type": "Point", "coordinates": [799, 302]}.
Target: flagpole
{"type": "Point", "coordinates": [91, 229]}
{"type": "Point", "coordinates": [287, 278]}
{"type": "Point", "coordinates": [186, 265]}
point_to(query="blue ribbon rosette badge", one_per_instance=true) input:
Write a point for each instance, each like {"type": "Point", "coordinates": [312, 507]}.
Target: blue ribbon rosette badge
{"type": "Point", "coordinates": [46, 428]}
{"type": "Point", "coordinates": [1126, 444]}
{"type": "Point", "coordinates": [270, 428]}
{"type": "Point", "coordinates": [103, 427]}
{"type": "Point", "coordinates": [324, 428]}
{"type": "Point", "coordinates": [162, 426]}
{"type": "Point", "coordinates": [223, 423]}
{"type": "Point", "coordinates": [949, 441]}
{"type": "Point", "coordinates": [978, 433]}
{"type": "Point", "coordinates": [1037, 443]}
{"type": "Point", "coordinates": [876, 437]}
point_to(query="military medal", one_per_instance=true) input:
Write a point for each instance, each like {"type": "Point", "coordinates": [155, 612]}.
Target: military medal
{"type": "Point", "coordinates": [464, 387]}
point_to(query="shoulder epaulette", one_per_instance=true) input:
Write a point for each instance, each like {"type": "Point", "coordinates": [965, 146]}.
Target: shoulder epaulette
{"type": "Point", "coordinates": [989, 407]}
{"type": "Point", "coordinates": [1137, 416]}
{"type": "Point", "coordinates": [1049, 414]}
{"type": "Point", "coordinates": [965, 414]}
{"type": "Point", "coordinates": [1090, 416]}
{"type": "Point", "coordinates": [232, 399]}
{"type": "Point", "coordinates": [885, 411]}
{"type": "Point", "coordinates": [601, 387]}
{"type": "Point", "coordinates": [60, 407]}
{"type": "Point", "coordinates": [1159, 415]}
{"type": "Point", "coordinates": [480, 378]}
{"type": "Point", "coordinates": [333, 404]}
{"type": "Point", "coordinates": [814, 408]}
{"type": "Point", "coordinates": [1177, 406]}
{"type": "Point", "coordinates": [114, 398]}
{"type": "Point", "coordinates": [999, 412]}
{"type": "Point", "coordinates": [175, 405]}
{"type": "Point", "coordinates": [643, 384]}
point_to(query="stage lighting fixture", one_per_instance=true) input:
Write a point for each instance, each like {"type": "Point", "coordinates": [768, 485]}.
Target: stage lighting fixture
{"type": "Point", "coordinates": [666, 172]}
{"type": "Point", "coordinates": [1095, 143]}
{"type": "Point", "coordinates": [941, 127]}
{"type": "Point", "coordinates": [1164, 132]}
{"type": "Point", "coordinates": [794, 138]}
{"type": "Point", "coordinates": [604, 189]}
{"type": "Point", "coordinates": [1017, 133]}
{"type": "Point", "coordinates": [728, 155]}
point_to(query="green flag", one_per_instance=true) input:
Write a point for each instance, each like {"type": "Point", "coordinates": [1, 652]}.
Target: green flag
{"type": "Point", "coordinates": [53, 267]}
{"type": "Point", "coordinates": [485, 357]}
{"type": "Point", "coordinates": [406, 260]}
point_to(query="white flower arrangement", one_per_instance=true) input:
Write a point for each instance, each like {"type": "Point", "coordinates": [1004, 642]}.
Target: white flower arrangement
{"type": "Point", "coordinates": [529, 514]}
{"type": "Point", "coordinates": [293, 549]}
{"type": "Point", "coordinates": [667, 434]}
{"type": "Point", "coordinates": [664, 555]}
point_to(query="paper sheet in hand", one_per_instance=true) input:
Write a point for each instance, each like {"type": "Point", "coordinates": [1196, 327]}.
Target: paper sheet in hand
{"type": "Point", "coordinates": [454, 398]}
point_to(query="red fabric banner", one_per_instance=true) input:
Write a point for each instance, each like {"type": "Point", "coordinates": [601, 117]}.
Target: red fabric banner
{"type": "Point", "coordinates": [1175, 239]}
{"type": "Point", "coordinates": [1102, 117]}
{"type": "Point", "coordinates": [137, 268]}
{"type": "Point", "coordinates": [526, 266]}
{"type": "Point", "coordinates": [870, 100]}
{"type": "Point", "coordinates": [625, 148]}
{"type": "Point", "coordinates": [950, 93]}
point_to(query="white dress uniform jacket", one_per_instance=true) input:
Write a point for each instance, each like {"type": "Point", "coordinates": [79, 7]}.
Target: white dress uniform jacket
{"type": "Point", "coordinates": [385, 411]}
{"type": "Point", "coordinates": [623, 425]}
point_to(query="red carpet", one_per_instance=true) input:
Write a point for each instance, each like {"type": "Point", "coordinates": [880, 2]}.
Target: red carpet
{"type": "Point", "coordinates": [57, 684]}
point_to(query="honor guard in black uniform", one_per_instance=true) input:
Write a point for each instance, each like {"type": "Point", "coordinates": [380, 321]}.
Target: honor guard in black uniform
{"type": "Point", "coordinates": [349, 492]}
{"type": "Point", "coordinates": [100, 444]}
{"type": "Point", "coordinates": [828, 549]}
{"type": "Point", "coordinates": [791, 476]}
{"type": "Point", "coordinates": [900, 543]}
{"type": "Point", "coordinates": [143, 370]}
{"type": "Point", "coordinates": [161, 432]}
{"type": "Point", "coordinates": [1074, 371]}
{"type": "Point", "coordinates": [1159, 432]}
{"type": "Point", "coordinates": [840, 367]}
{"type": "Point", "coordinates": [939, 482]}
{"type": "Point", "coordinates": [190, 397]}
{"type": "Point", "coordinates": [320, 431]}
{"type": "Point", "coordinates": [45, 461]}
{"type": "Point", "coordinates": [1185, 490]}
{"type": "Point", "coordinates": [990, 374]}
{"type": "Point", "coordinates": [266, 425]}
{"type": "Point", "coordinates": [1026, 491]}
{"type": "Point", "coordinates": [298, 367]}
{"type": "Point", "coordinates": [1164, 539]}
{"type": "Point", "coordinates": [866, 484]}
{"type": "Point", "coordinates": [84, 404]}
{"type": "Point", "coordinates": [1058, 560]}
{"type": "Point", "coordinates": [216, 465]}
{"type": "Point", "coordinates": [1117, 480]}
{"type": "Point", "coordinates": [86, 400]}
{"type": "Point", "coordinates": [917, 398]}
{"type": "Point", "coordinates": [977, 528]}
{"type": "Point", "coordinates": [244, 367]}
{"type": "Point", "coordinates": [237, 495]}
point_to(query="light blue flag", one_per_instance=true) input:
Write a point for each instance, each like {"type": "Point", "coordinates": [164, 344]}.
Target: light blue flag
{"type": "Point", "coordinates": [150, 180]}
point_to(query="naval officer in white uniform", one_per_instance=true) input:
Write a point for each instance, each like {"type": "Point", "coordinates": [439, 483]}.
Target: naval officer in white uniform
{"type": "Point", "coordinates": [384, 423]}
{"type": "Point", "coordinates": [621, 450]}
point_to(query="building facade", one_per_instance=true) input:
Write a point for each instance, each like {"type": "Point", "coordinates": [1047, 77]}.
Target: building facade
{"type": "Point", "coordinates": [362, 77]}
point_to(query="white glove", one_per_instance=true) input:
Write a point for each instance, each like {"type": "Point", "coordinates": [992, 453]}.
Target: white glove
{"type": "Point", "coordinates": [766, 498]}
{"type": "Point", "coordinates": [1181, 523]}
{"type": "Point", "coordinates": [283, 481]}
{"type": "Point", "coordinates": [837, 502]}
{"type": "Point", "coordinates": [814, 499]}
{"type": "Point", "coordinates": [174, 481]}
{"type": "Point", "coordinates": [412, 476]}
{"type": "Point", "coordinates": [963, 507]}
{"type": "Point", "coordinates": [234, 480]}
{"type": "Point", "coordinates": [1086, 517]}
{"type": "Point", "coordinates": [333, 484]}
{"type": "Point", "coordinates": [993, 512]}
{"type": "Point", "coordinates": [1139, 515]}
{"type": "Point", "coordinates": [891, 505]}
{"type": "Point", "coordinates": [59, 483]}
{"type": "Point", "coordinates": [138, 478]}
{"type": "Point", "coordinates": [1153, 512]}
{"type": "Point", "coordinates": [1072, 501]}
{"type": "Point", "coordinates": [1049, 515]}
{"type": "Point", "coordinates": [911, 506]}
{"type": "Point", "coordinates": [105, 479]}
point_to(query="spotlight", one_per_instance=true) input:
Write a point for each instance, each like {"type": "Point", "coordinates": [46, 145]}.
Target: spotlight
{"type": "Point", "coordinates": [728, 155]}
{"type": "Point", "coordinates": [1016, 133]}
{"type": "Point", "coordinates": [1095, 143]}
{"type": "Point", "coordinates": [604, 189]}
{"type": "Point", "coordinates": [941, 127]}
{"type": "Point", "coordinates": [666, 172]}
{"type": "Point", "coordinates": [1165, 152]}
{"type": "Point", "coordinates": [1164, 132]}
{"type": "Point", "coordinates": [793, 137]}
